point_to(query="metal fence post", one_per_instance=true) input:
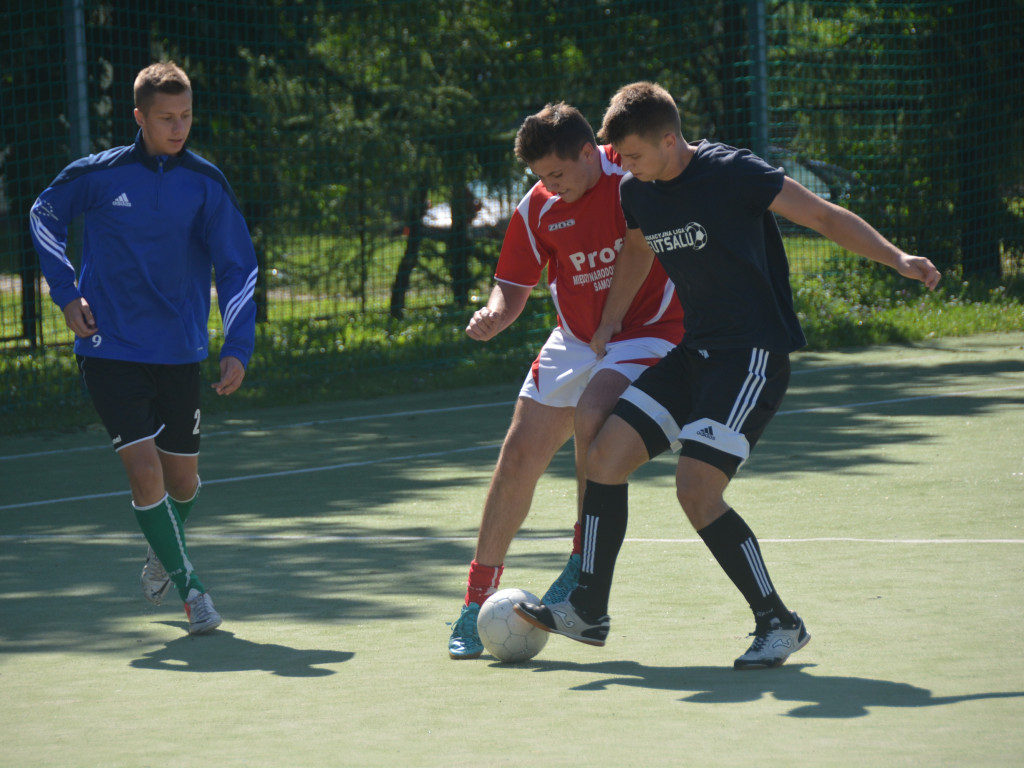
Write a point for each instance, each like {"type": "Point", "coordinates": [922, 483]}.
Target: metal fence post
{"type": "Point", "coordinates": [759, 76]}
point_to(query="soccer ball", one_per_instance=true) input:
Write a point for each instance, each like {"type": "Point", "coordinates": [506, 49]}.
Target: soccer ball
{"type": "Point", "coordinates": [504, 633]}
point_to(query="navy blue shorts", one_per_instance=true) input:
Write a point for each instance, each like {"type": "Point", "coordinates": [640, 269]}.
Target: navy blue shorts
{"type": "Point", "coordinates": [710, 405]}
{"type": "Point", "coordinates": [139, 401]}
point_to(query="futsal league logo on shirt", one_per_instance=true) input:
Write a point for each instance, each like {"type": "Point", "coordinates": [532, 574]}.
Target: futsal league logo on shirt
{"type": "Point", "coordinates": [693, 235]}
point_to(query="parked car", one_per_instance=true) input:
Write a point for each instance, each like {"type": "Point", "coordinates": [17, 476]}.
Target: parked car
{"type": "Point", "coordinates": [491, 211]}
{"type": "Point", "coordinates": [823, 179]}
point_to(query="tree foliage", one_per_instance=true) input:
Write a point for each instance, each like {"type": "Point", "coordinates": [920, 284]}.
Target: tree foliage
{"type": "Point", "coordinates": [923, 102]}
{"type": "Point", "coordinates": [351, 118]}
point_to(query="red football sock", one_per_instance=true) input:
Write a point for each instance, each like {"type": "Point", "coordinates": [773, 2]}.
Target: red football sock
{"type": "Point", "coordinates": [483, 581]}
{"type": "Point", "coordinates": [577, 540]}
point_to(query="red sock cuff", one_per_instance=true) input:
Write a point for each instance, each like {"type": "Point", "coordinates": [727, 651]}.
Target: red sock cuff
{"type": "Point", "coordinates": [577, 540]}
{"type": "Point", "coordinates": [483, 581]}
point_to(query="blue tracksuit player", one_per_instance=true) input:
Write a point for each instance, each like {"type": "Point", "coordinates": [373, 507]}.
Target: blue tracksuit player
{"type": "Point", "coordinates": [158, 219]}
{"type": "Point", "coordinates": [154, 227]}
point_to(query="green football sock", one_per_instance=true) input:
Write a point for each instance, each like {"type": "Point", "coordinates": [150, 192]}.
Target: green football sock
{"type": "Point", "coordinates": [165, 533]}
{"type": "Point", "coordinates": [184, 508]}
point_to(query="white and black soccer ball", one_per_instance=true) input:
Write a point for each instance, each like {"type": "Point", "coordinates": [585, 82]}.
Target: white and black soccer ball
{"type": "Point", "coordinates": [505, 634]}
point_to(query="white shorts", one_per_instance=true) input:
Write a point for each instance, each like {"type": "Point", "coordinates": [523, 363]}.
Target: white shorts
{"type": "Point", "coordinates": [566, 365]}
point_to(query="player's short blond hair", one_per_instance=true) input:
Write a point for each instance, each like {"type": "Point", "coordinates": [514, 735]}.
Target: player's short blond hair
{"type": "Point", "coordinates": [642, 109]}
{"type": "Point", "coordinates": [162, 77]}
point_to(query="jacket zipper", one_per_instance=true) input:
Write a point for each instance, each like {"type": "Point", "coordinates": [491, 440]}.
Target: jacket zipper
{"type": "Point", "coordinates": [160, 180]}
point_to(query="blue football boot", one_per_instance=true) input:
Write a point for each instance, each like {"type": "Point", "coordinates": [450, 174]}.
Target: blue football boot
{"type": "Point", "coordinates": [465, 640]}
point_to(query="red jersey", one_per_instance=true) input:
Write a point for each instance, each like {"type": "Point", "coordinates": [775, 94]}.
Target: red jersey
{"type": "Point", "coordinates": [578, 243]}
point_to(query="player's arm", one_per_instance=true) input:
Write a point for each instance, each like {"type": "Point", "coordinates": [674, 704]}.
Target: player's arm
{"type": "Point", "coordinates": [48, 225]}
{"type": "Point", "coordinates": [632, 265]}
{"type": "Point", "coordinates": [78, 317]}
{"type": "Point", "coordinates": [850, 231]}
{"type": "Point", "coordinates": [505, 304]}
{"type": "Point", "coordinates": [232, 372]}
{"type": "Point", "coordinates": [235, 272]}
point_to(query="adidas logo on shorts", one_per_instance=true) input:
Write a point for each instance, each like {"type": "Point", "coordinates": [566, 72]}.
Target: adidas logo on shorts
{"type": "Point", "coordinates": [707, 433]}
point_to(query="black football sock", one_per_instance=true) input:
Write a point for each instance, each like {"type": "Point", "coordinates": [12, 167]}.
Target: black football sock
{"type": "Point", "coordinates": [605, 512]}
{"type": "Point", "coordinates": [735, 548]}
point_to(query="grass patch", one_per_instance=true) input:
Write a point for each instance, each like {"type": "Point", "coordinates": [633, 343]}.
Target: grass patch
{"type": "Point", "coordinates": [858, 307]}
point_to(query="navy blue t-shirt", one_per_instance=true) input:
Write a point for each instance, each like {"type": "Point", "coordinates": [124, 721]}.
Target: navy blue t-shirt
{"type": "Point", "coordinates": [711, 229]}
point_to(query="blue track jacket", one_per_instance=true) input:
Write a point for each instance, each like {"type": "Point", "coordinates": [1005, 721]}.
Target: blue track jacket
{"type": "Point", "coordinates": [154, 227]}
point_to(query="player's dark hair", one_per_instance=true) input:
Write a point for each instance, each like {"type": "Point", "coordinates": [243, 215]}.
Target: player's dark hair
{"type": "Point", "coordinates": [162, 77]}
{"type": "Point", "coordinates": [643, 109]}
{"type": "Point", "coordinates": [558, 128]}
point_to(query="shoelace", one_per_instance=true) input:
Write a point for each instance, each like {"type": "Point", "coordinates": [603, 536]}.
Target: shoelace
{"type": "Point", "coordinates": [200, 609]}
{"type": "Point", "coordinates": [761, 636]}
{"type": "Point", "coordinates": [460, 624]}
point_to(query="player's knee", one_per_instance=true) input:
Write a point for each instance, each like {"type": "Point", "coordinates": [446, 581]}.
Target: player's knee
{"type": "Point", "coordinates": [700, 506]}
{"type": "Point", "coordinates": [604, 465]}
{"type": "Point", "coordinates": [688, 499]}
{"type": "Point", "coordinates": [146, 481]}
{"type": "Point", "coordinates": [182, 486]}
{"type": "Point", "coordinates": [519, 459]}
{"type": "Point", "coordinates": [144, 470]}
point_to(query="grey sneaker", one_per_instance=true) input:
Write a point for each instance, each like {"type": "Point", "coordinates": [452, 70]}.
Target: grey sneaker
{"type": "Point", "coordinates": [564, 619]}
{"type": "Point", "coordinates": [465, 640]}
{"type": "Point", "coordinates": [773, 644]}
{"type": "Point", "coordinates": [565, 583]}
{"type": "Point", "coordinates": [155, 581]}
{"type": "Point", "coordinates": [202, 616]}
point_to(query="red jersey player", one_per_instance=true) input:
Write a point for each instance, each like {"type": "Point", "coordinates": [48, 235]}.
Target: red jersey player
{"type": "Point", "coordinates": [571, 225]}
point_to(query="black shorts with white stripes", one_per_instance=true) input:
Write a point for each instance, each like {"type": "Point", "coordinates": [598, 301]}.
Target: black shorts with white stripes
{"type": "Point", "coordinates": [711, 405]}
{"type": "Point", "coordinates": [139, 401]}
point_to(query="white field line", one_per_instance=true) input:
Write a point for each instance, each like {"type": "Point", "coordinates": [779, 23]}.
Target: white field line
{"type": "Point", "coordinates": [134, 538]}
{"type": "Point", "coordinates": [264, 475]}
{"type": "Point", "coordinates": [490, 446]}
{"type": "Point", "coordinates": [278, 427]}
{"type": "Point", "coordinates": [433, 411]}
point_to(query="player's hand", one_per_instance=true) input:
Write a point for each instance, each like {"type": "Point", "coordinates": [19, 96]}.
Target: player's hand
{"type": "Point", "coordinates": [919, 268]}
{"type": "Point", "coordinates": [484, 325]}
{"type": "Point", "coordinates": [603, 335]}
{"type": "Point", "coordinates": [78, 317]}
{"type": "Point", "coordinates": [231, 374]}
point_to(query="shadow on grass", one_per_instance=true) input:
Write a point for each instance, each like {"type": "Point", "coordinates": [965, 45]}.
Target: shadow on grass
{"type": "Point", "coordinates": [827, 697]}
{"type": "Point", "coordinates": [222, 651]}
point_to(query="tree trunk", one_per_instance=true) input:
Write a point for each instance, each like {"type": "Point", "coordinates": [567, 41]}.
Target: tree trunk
{"type": "Point", "coordinates": [459, 248]}
{"type": "Point", "coordinates": [403, 275]}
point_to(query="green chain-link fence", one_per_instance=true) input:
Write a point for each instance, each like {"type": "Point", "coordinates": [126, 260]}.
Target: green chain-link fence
{"type": "Point", "coordinates": [370, 146]}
